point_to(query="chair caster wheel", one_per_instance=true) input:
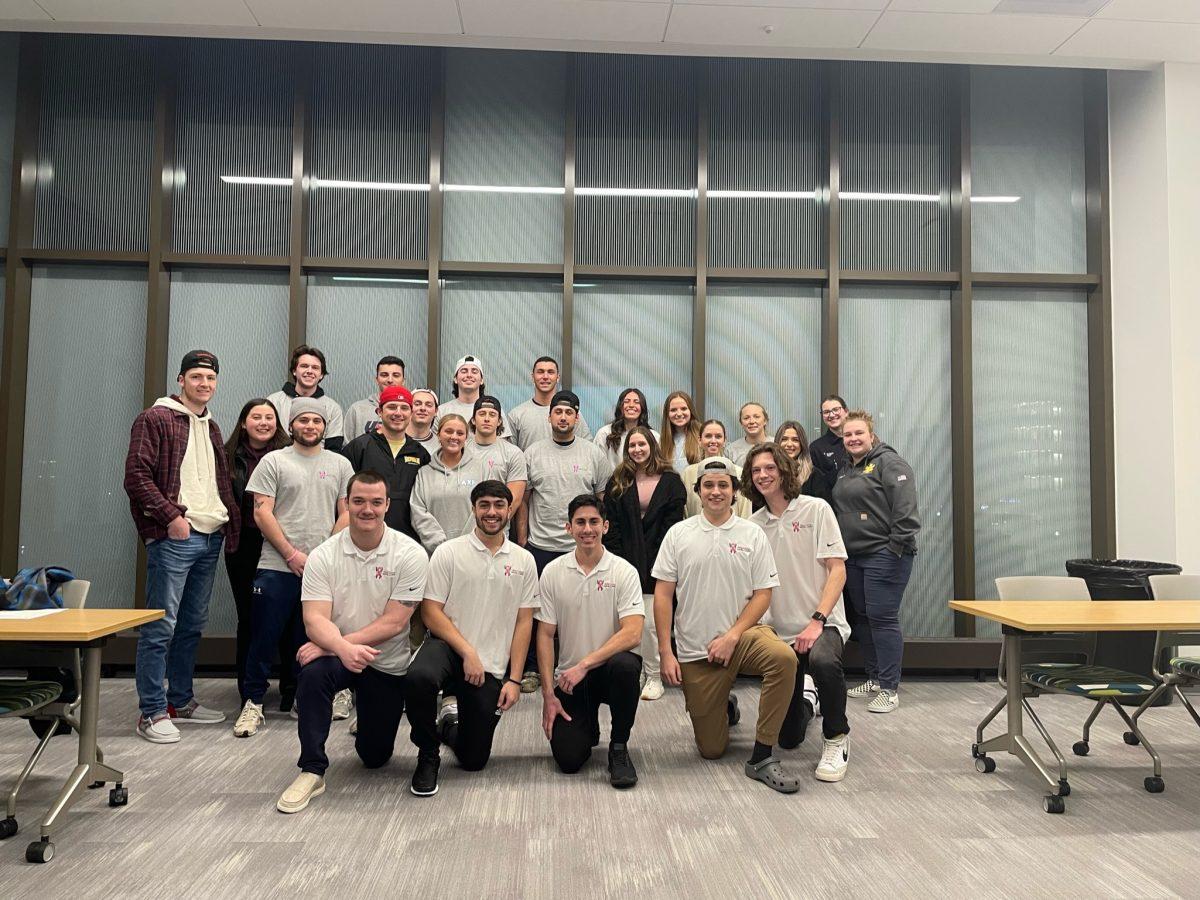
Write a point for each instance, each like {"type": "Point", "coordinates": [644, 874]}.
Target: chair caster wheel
{"type": "Point", "coordinates": [1155, 785]}
{"type": "Point", "coordinates": [1080, 748]}
{"type": "Point", "coordinates": [8, 827]}
{"type": "Point", "coordinates": [1052, 803]}
{"type": "Point", "coordinates": [1131, 739]}
{"type": "Point", "coordinates": [1064, 789]}
{"type": "Point", "coordinates": [39, 852]}
{"type": "Point", "coordinates": [118, 796]}
{"type": "Point", "coordinates": [985, 765]}
{"type": "Point", "coordinates": [975, 754]}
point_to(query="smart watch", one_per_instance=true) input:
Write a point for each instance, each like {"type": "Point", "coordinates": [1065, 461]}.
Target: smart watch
{"type": "Point", "coordinates": [820, 617]}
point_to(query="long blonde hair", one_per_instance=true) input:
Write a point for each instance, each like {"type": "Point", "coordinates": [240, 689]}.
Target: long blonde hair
{"type": "Point", "coordinates": [625, 473]}
{"type": "Point", "coordinates": [691, 441]}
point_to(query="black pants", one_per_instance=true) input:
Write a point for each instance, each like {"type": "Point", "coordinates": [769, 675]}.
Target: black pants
{"type": "Point", "coordinates": [823, 662]}
{"type": "Point", "coordinates": [241, 566]}
{"type": "Point", "coordinates": [438, 668]}
{"type": "Point", "coordinates": [541, 559]}
{"type": "Point", "coordinates": [615, 683]}
{"type": "Point", "coordinates": [379, 698]}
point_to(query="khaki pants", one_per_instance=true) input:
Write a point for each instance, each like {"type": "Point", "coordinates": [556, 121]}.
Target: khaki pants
{"type": "Point", "coordinates": [706, 688]}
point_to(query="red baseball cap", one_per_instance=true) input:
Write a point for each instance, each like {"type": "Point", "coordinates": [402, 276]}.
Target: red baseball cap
{"type": "Point", "coordinates": [395, 392]}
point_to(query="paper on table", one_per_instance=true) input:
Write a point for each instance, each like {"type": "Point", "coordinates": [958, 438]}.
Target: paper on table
{"type": "Point", "coordinates": [26, 613]}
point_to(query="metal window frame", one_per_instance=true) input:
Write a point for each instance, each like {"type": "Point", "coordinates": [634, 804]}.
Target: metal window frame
{"type": "Point", "coordinates": [21, 256]}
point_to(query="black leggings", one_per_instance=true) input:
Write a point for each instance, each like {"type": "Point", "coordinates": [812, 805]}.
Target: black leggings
{"type": "Point", "coordinates": [616, 683]}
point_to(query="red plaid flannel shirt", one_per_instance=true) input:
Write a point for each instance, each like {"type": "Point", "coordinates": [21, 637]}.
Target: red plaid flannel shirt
{"type": "Point", "coordinates": [157, 442]}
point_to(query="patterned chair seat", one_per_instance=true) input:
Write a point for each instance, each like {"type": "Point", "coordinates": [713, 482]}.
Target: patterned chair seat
{"type": "Point", "coordinates": [1097, 682]}
{"type": "Point", "coordinates": [1187, 665]}
{"type": "Point", "coordinates": [19, 696]}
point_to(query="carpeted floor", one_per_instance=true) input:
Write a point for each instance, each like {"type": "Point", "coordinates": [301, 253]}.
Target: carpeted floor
{"type": "Point", "coordinates": [912, 819]}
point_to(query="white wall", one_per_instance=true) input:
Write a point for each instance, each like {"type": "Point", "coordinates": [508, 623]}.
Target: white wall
{"type": "Point", "coordinates": [1155, 180]}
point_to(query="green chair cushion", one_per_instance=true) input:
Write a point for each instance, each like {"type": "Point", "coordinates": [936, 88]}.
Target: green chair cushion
{"type": "Point", "coordinates": [1187, 665]}
{"type": "Point", "coordinates": [1096, 682]}
{"type": "Point", "coordinates": [19, 695]}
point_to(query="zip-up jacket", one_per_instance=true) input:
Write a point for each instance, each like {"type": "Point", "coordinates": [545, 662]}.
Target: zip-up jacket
{"type": "Point", "coordinates": [828, 455]}
{"type": "Point", "coordinates": [372, 451]}
{"type": "Point", "coordinates": [876, 504]}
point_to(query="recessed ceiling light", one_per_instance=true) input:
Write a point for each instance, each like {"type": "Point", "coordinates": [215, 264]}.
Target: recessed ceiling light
{"type": "Point", "coordinates": [1051, 7]}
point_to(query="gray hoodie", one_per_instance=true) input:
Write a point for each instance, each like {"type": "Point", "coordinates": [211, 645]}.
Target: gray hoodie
{"type": "Point", "coordinates": [441, 500]}
{"type": "Point", "coordinates": [876, 503]}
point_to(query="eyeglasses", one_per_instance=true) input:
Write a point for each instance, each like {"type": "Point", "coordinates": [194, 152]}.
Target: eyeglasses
{"type": "Point", "coordinates": [826, 413]}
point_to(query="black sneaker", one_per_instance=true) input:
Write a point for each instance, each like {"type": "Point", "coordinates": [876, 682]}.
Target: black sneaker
{"type": "Point", "coordinates": [735, 714]}
{"type": "Point", "coordinates": [621, 773]}
{"type": "Point", "coordinates": [424, 780]}
{"type": "Point", "coordinates": [287, 699]}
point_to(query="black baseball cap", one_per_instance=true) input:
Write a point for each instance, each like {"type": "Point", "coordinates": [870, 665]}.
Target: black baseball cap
{"type": "Point", "coordinates": [199, 359]}
{"type": "Point", "coordinates": [565, 398]}
{"type": "Point", "coordinates": [486, 401]}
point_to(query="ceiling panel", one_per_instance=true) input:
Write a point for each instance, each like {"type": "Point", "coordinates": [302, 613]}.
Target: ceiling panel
{"type": "Point", "coordinates": [740, 26]}
{"type": "Point", "coordinates": [1115, 39]}
{"type": "Point", "coordinates": [395, 17]}
{"type": "Point", "coordinates": [956, 33]}
{"type": "Point", "coordinates": [22, 11]}
{"type": "Point", "coordinates": [1153, 10]}
{"type": "Point", "coordinates": [876, 5]}
{"type": "Point", "coordinates": [945, 6]}
{"type": "Point", "coordinates": [151, 12]}
{"type": "Point", "coordinates": [582, 20]}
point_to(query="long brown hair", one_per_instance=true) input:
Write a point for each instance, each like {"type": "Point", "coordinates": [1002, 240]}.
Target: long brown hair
{"type": "Point", "coordinates": [803, 462]}
{"type": "Point", "coordinates": [239, 436]}
{"type": "Point", "coordinates": [625, 473]}
{"type": "Point", "coordinates": [789, 474]}
{"type": "Point", "coordinates": [691, 441]}
{"type": "Point", "coordinates": [616, 430]}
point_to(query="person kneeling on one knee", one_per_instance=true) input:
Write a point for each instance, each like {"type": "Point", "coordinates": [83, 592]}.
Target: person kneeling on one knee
{"type": "Point", "coordinates": [359, 591]}
{"type": "Point", "coordinates": [722, 569]}
{"type": "Point", "coordinates": [592, 601]}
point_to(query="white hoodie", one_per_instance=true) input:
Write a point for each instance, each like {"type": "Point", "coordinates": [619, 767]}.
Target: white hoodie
{"type": "Point", "coordinates": [198, 492]}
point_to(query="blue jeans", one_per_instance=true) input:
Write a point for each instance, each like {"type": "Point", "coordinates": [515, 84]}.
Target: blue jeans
{"type": "Point", "coordinates": [179, 580]}
{"type": "Point", "coordinates": [275, 621]}
{"type": "Point", "coordinates": [875, 587]}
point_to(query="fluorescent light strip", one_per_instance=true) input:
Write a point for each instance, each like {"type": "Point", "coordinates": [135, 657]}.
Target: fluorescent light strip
{"type": "Point", "coordinates": [873, 195]}
{"type": "Point", "coordinates": [502, 189]}
{"type": "Point", "coordinates": [368, 185]}
{"type": "Point", "coordinates": [995, 199]}
{"type": "Point", "coordinates": [635, 192]}
{"type": "Point", "coordinates": [380, 278]}
{"type": "Point", "coordinates": [256, 179]}
{"type": "Point", "coordinates": [763, 195]}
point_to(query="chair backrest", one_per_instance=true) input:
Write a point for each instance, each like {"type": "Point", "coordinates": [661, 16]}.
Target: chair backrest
{"type": "Point", "coordinates": [1042, 587]}
{"type": "Point", "coordinates": [1173, 587]}
{"type": "Point", "coordinates": [1046, 648]}
{"type": "Point", "coordinates": [74, 593]}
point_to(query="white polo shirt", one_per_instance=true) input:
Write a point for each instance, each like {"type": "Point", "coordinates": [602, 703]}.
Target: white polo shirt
{"type": "Point", "coordinates": [360, 583]}
{"type": "Point", "coordinates": [482, 593]}
{"type": "Point", "coordinates": [715, 569]}
{"type": "Point", "coordinates": [805, 534]}
{"type": "Point", "coordinates": [587, 608]}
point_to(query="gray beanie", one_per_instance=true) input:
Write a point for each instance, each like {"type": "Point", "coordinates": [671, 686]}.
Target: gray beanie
{"type": "Point", "coordinates": [301, 405]}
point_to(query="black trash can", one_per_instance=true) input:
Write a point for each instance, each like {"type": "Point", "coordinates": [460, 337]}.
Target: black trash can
{"type": "Point", "coordinates": [1123, 579]}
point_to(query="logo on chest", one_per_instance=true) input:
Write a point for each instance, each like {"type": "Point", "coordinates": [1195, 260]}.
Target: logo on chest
{"type": "Point", "coordinates": [508, 571]}
{"type": "Point", "coordinates": [797, 526]}
{"type": "Point", "coordinates": [322, 474]}
{"type": "Point", "coordinates": [601, 584]}
{"type": "Point", "coordinates": [382, 573]}
{"type": "Point", "coordinates": [735, 548]}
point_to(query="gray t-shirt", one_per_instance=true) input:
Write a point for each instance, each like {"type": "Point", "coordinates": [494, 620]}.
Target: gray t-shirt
{"type": "Point", "coordinates": [499, 460]}
{"type": "Point", "coordinates": [361, 414]}
{"type": "Point", "coordinates": [530, 422]}
{"type": "Point", "coordinates": [559, 473]}
{"type": "Point", "coordinates": [306, 491]}
{"type": "Point", "coordinates": [334, 424]}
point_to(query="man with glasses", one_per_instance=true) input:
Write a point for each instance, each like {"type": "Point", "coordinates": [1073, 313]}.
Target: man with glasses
{"type": "Point", "coordinates": [827, 452]}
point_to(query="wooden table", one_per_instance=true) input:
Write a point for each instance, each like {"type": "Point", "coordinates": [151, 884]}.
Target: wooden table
{"type": "Point", "coordinates": [88, 630]}
{"type": "Point", "coordinates": [1021, 618]}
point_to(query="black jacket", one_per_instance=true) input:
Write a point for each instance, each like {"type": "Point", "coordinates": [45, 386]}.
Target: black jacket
{"type": "Point", "coordinates": [372, 451]}
{"type": "Point", "coordinates": [637, 538]}
{"type": "Point", "coordinates": [239, 476]}
{"type": "Point", "coordinates": [876, 504]}
{"type": "Point", "coordinates": [828, 455]}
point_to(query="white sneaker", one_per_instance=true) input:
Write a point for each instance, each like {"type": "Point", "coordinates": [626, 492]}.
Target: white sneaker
{"type": "Point", "coordinates": [653, 689]}
{"type": "Point", "coordinates": [884, 702]}
{"type": "Point", "coordinates": [248, 720]}
{"type": "Point", "coordinates": [810, 694]}
{"type": "Point", "coordinates": [835, 756]}
{"type": "Point", "coordinates": [343, 702]}
{"type": "Point", "coordinates": [304, 788]}
{"type": "Point", "coordinates": [194, 712]}
{"type": "Point", "coordinates": [294, 712]}
{"type": "Point", "coordinates": [864, 690]}
{"type": "Point", "coordinates": [158, 730]}
{"type": "Point", "coordinates": [354, 726]}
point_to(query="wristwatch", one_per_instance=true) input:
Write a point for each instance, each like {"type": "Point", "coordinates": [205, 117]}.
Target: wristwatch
{"type": "Point", "coordinates": [820, 617]}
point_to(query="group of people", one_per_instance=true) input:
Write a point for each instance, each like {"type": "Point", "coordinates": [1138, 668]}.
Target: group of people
{"type": "Point", "coordinates": [442, 558]}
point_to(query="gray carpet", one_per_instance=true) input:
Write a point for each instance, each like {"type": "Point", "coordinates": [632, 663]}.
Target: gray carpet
{"type": "Point", "coordinates": [912, 819]}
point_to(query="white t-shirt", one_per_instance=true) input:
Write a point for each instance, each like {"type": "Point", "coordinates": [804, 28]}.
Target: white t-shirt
{"type": "Point", "coordinates": [482, 594]}
{"type": "Point", "coordinates": [805, 534]}
{"type": "Point", "coordinates": [557, 475]}
{"type": "Point", "coordinates": [615, 456]}
{"type": "Point", "coordinates": [587, 608]}
{"type": "Point", "coordinates": [529, 422]}
{"type": "Point", "coordinates": [361, 582]}
{"type": "Point", "coordinates": [306, 491]}
{"type": "Point", "coordinates": [715, 569]}
{"type": "Point", "coordinates": [499, 460]}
